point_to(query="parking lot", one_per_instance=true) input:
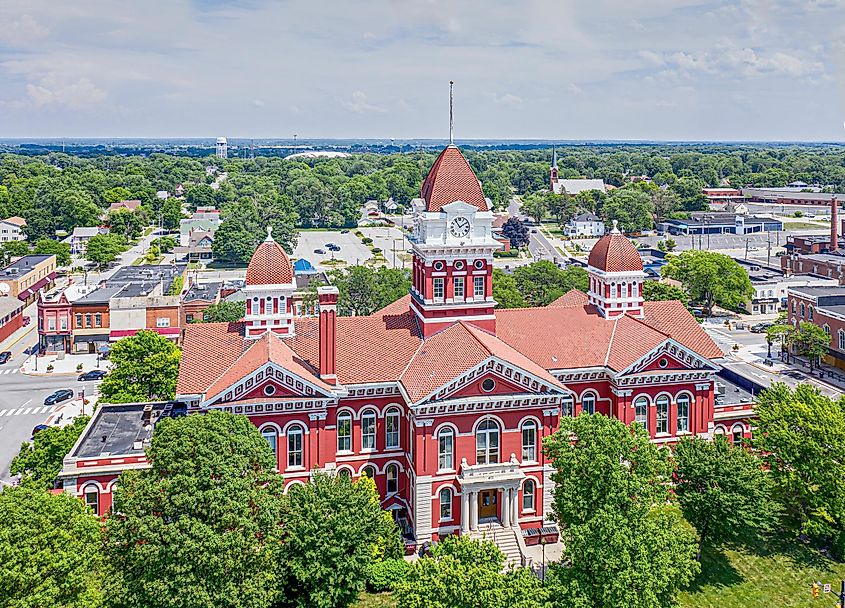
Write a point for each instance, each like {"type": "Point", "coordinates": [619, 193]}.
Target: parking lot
{"type": "Point", "coordinates": [352, 250]}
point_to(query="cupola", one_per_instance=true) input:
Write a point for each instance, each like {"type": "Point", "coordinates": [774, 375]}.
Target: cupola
{"type": "Point", "coordinates": [616, 276]}
{"type": "Point", "coordinates": [269, 287]}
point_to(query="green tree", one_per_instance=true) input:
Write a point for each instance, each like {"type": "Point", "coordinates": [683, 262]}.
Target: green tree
{"type": "Point", "coordinates": [710, 278]}
{"type": "Point", "coordinates": [505, 291]}
{"type": "Point", "coordinates": [165, 244]}
{"type": "Point", "coordinates": [625, 544]}
{"type": "Point", "coordinates": [57, 248]}
{"type": "Point", "coordinates": [333, 529]}
{"type": "Point", "coordinates": [516, 231]}
{"type": "Point", "coordinates": [665, 202]}
{"type": "Point", "coordinates": [689, 192]}
{"type": "Point", "coordinates": [13, 249]}
{"type": "Point", "coordinates": [198, 528]}
{"type": "Point", "coordinates": [49, 551]}
{"type": "Point", "coordinates": [541, 283]}
{"type": "Point", "coordinates": [40, 461]}
{"type": "Point", "coordinates": [813, 342]}
{"type": "Point", "coordinates": [723, 491]}
{"type": "Point", "coordinates": [801, 434]}
{"type": "Point", "coordinates": [115, 195]}
{"type": "Point", "coordinates": [535, 206]}
{"type": "Point", "coordinates": [779, 332]}
{"type": "Point", "coordinates": [171, 213]}
{"type": "Point", "coordinates": [655, 291]}
{"type": "Point", "coordinates": [127, 223]}
{"type": "Point", "coordinates": [631, 207]}
{"type": "Point", "coordinates": [467, 573]}
{"type": "Point", "coordinates": [103, 249]}
{"type": "Point", "coordinates": [144, 368]}
{"type": "Point", "coordinates": [364, 290]}
{"type": "Point", "coordinates": [223, 312]}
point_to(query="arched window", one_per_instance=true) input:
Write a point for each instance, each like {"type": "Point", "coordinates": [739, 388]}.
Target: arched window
{"type": "Point", "coordinates": [641, 411]}
{"type": "Point", "coordinates": [737, 434]}
{"type": "Point", "coordinates": [344, 432]}
{"type": "Point", "coordinates": [271, 436]}
{"type": "Point", "coordinates": [445, 449]}
{"type": "Point", "coordinates": [528, 495]}
{"type": "Point", "coordinates": [826, 329]}
{"type": "Point", "coordinates": [810, 313]}
{"type": "Point", "coordinates": [369, 471]}
{"type": "Point", "coordinates": [588, 403]}
{"type": "Point", "coordinates": [683, 413]}
{"type": "Point", "coordinates": [841, 339]}
{"type": "Point", "coordinates": [92, 498]}
{"type": "Point", "coordinates": [529, 440]}
{"type": "Point", "coordinates": [345, 473]}
{"type": "Point", "coordinates": [295, 434]}
{"type": "Point", "coordinates": [392, 478]}
{"type": "Point", "coordinates": [445, 504]}
{"type": "Point", "coordinates": [368, 430]}
{"type": "Point", "coordinates": [662, 414]}
{"type": "Point", "coordinates": [391, 429]}
{"type": "Point", "coordinates": [803, 310]}
{"type": "Point", "coordinates": [487, 442]}
{"type": "Point", "coordinates": [793, 305]}
{"type": "Point", "coordinates": [567, 405]}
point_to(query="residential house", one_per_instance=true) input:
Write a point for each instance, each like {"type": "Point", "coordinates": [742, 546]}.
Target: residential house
{"type": "Point", "coordinates": [130, 205]}
{"type": "Point", "coordinates": [585, 224]}
{"type": "Point", "coordinates": [11, 229]}
{"type": "Point", "coordinates": [78, 239]}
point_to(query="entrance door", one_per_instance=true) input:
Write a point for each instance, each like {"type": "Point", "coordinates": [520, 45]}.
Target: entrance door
{"type": "Point", "coordinates": [487, 500]}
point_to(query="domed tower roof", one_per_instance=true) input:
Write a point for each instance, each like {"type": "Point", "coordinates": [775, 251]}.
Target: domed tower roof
{"type": "Point", "coordinates": [452, 179]}
{"type": "Point", "coordinates": [615, 253]}
{"type": "Point", "coordinates": [270, 265]}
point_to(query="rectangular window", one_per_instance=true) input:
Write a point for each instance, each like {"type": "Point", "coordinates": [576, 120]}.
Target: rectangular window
{"type": "Point", "coordinates": [88, 320]}
{"type": "Point", "coordinates": [295, 448]}
{"type": "Point", "coordinates": [438, 288]}
{"type": "Point", "coordinates": [51, 324]}
{"type": "Point", "coordinates": [64, 322]}
{"type": "Point", "coordinates": [459, 288]}
{"type": "Point", "coordinates": [445, 451]}
{"type": "Point", "coordinates": [162, 322]}
{"type": "Point", "coordinates": [344, 433]}
{"type": "Point", "coordinates": [368, 432]}
{"type": "Point", "coordinates": [189, 318]}
{"type": "Point", "coordinates": [79, 320]}
{"type": "Point", "coordinates": [662, 416]}
{"type": "Point", "coordinates": [392, 430]}
{"type": "Point", "coordinates": [98, 319]}
{"type": "Point", "coordinates": [478, 287]}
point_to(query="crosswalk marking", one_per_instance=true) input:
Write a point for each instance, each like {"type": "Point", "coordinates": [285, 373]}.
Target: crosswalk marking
{"type": "Point", "coordinates": [27, 411]}
{"type": "Point", "coordinates": [13, 370]}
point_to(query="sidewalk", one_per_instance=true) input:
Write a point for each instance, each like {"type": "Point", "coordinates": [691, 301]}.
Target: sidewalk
{"type": "Point", "coordinates": [64, 366]}
{"type": "Point", "coordinates": [16, 337]}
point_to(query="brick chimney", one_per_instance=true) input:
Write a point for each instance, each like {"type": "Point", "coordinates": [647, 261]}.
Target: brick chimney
{"type": "Point", "coordinates": [327, 297]}
{"type": "Point", "coordinates": [834, 224]}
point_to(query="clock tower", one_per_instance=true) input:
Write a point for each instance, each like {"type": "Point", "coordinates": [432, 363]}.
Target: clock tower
{"type": "Point", "coordinates": [453, 248]}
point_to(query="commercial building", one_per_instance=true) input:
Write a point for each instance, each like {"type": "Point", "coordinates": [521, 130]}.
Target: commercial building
{"type": "Point", "coordinates": [824, 307]}
{"type": "Point", "coordinates": [196, 299]}
{"type": "Point", "coordinates": [11, 229]}
{"type": "Point", "coordinates": [720, 223]}
{"type": "Point", "coordinates": [771, 287]}
{"type": "Point", "coordinates": [55, 317]}
{"type": "Point", "coordinates": [442, 399]}
{"type": "Point", "coordinates": [11, 316]}
{"type": "Point", "coordinates": [789, 195]}
{"type": "Point", "coordinates": [723, 195]}
{"type": "Point", "coordinates": [26, 276]}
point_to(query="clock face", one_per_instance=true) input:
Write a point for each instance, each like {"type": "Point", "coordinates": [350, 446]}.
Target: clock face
{"type": "Point", "coordinates": [459, 227]}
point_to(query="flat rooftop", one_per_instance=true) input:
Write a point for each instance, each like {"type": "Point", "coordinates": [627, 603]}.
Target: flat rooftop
{"type": "Point", "coordinates": [821, 290]}
{"type": "Point", "coordinates": [24, 265]}
{"type": "Point", "coordinates": [118, 430]}
{"type": "Point", "coordinates": [206, 292]}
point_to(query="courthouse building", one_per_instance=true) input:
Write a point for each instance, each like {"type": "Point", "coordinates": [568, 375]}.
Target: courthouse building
{"type": "Point", "coordinates": [443, 399]}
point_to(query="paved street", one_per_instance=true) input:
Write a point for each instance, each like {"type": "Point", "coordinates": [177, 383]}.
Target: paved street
{"type": "Point", "coordinates": [352, 250]}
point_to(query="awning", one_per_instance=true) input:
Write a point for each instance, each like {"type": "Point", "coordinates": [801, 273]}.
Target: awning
{"type": "Point", "coordinates": [82, 338]}
{"type": "Point", "coordinates": [26, 293]}
{"type": "Point", "coordinates": [169, 332]}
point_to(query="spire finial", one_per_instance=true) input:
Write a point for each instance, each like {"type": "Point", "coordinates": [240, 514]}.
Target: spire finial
{"type": "Point", "coordinates": [615, 227]}
{"type": "Point", "coordinates": [269, 233]}
{"type": "Point", "coordinates": [451, 124]}
{"type": "Point", "coordinates": [554, 157]}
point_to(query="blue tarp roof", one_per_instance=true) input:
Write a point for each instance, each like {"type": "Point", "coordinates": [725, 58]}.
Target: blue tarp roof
{"type": "Point", "coordinates": [302, 266]}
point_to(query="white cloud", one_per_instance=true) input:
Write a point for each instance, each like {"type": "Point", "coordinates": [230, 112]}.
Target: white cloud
{"type": "Point", "coordinates": [54, 89]}
{"type": "Point", "coordinates": [574, 89]}
{"type": "Point", "coordinates": [359, 104]}
{"type": "Point", "coordinates": [509, 99]}
{"type": "Point", "coordinates": [23, 30]}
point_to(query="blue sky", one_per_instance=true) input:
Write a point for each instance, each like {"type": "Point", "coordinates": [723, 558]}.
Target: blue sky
{"type": "Point", "coordinates": [552, 69]}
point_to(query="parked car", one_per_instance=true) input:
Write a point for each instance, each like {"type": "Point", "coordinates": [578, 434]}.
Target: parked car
{"type": "Point", "coordinates": [94, 374]}
{"type": "Point", "coordinates": [39, 427]}
{"type": "Point", "coordinates": [5, 356]}
{"type": "Point", "coordinates": [63, 394]}
{"type": "Point", "coordinates": [344, 231]}
{"type": "Point", "coordinates": [320, 251]}
{"type": "Point", "coordinates": [760, 328]}
{"type": "Point", "coordinates": [27, 320]}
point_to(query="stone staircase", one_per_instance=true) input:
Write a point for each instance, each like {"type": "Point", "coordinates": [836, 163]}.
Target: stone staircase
{"type": "Point", "coordinates": [504, 538]}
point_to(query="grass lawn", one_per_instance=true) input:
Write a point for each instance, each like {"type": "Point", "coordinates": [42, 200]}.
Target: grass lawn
{"type": "Point", "coordinates": [777, 574]}
{"type": "Point", "coordinates": [788, 225]}
{"type": "Point", "coordinates": [375, 600]}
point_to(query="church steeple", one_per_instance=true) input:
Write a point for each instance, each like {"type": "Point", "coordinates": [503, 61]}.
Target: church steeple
{"type": "Point", "coordinates": [553, 170]}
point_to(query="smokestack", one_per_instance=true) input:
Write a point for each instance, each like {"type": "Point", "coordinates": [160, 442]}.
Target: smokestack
{"type": "Point", "coordinates": [327, 297]}
{"type": "Point", "coordinates": [834, 224]}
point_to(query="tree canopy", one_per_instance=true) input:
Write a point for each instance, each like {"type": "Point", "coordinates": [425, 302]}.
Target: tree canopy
{"type": "Point", "coordinates": [516, 231]}
{"type": "Point", "coordinates": [710, 278]}
{"type": "Point", "coordinates": [541, 283]}
{"type": "Point", "coordinates": [654, 291]}
{"type": "Point", "coordinates": [104, 248]}
{"type": "Point", "coordinates": [39, 462]}
{"type": "Point", "coordinates": [223, 312]}
{"type": "Point", "coordinates": [364, 290]}
{"type": "Point", "coordinates": [57, 248]}
{"type": "Point", "coordinates": [49, 551]}
{"type": "Point", "coordinates": [144, 367]}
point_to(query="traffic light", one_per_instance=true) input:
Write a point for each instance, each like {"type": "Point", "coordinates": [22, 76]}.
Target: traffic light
{"type": "Point", "coordinates": [815, 590]}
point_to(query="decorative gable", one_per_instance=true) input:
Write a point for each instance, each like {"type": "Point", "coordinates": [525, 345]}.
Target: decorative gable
{"type": "Point", "coordinates": [671, 356]}
{"type": "Point", "coordinates": [287, 383]}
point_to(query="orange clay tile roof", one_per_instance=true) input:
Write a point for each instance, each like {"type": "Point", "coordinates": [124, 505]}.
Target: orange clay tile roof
{"type": "Point", "coordinates": [451, 179]}
{"type": "Point", "coordinates": [615, 253]}
{"type": "Point", "coordinates": [573, 297]}
{"type": "Point", "coordinates": [462, 346]}
{"type": "Point", "coordinates": [387, 346]}
{"type": "Point", "coordinates": [16, 220]}
{"type": "Point", "coordinates": [268, 348]}
{"type": "Point", "coordinates": [269, 265]}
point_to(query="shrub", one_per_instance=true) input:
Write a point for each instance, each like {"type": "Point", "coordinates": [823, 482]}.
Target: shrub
{"type": "Point", "coordinates": [376, 250]}
{"type": "Point", "coordinates": [367, 240]}
{"type": "Point", "coordinates": [383, 575]}
{"type": "Point", "coordinates": [506, 254]}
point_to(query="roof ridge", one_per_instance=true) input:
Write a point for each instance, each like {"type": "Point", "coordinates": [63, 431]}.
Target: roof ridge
{"type": "Point", "coordinates": [610, 341]}
{"type": "Point", "coordinates": [237, 360]}
{"type": "Point", "coordinates": [643, 322]}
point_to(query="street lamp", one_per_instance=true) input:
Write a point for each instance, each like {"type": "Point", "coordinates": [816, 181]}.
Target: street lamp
{"type": "Point", "coordinates": [543, 571]}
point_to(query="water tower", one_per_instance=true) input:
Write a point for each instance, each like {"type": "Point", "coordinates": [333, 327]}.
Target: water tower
{"type": "Point", "coordinates": [222, 148]}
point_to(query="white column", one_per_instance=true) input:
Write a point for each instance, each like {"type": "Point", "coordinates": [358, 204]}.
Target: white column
{"type": "Point", "coordinates": [506, 504]}
{"type": "Point", "coordinates": [515, 507]}
{"type": "Point", "coordinates": [464, 511]}
{"type": "Point", "coordinates": [473, 510]}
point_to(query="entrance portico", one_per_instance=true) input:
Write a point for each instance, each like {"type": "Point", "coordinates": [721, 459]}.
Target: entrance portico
{"type": "Point", "coordinates": [490, 490]}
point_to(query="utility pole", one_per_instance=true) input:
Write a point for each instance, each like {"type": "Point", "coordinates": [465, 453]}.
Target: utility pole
{"type": "Point", "coordinates": [768, 248]}
{"type": "Point", "coordinates": [746, 247]}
